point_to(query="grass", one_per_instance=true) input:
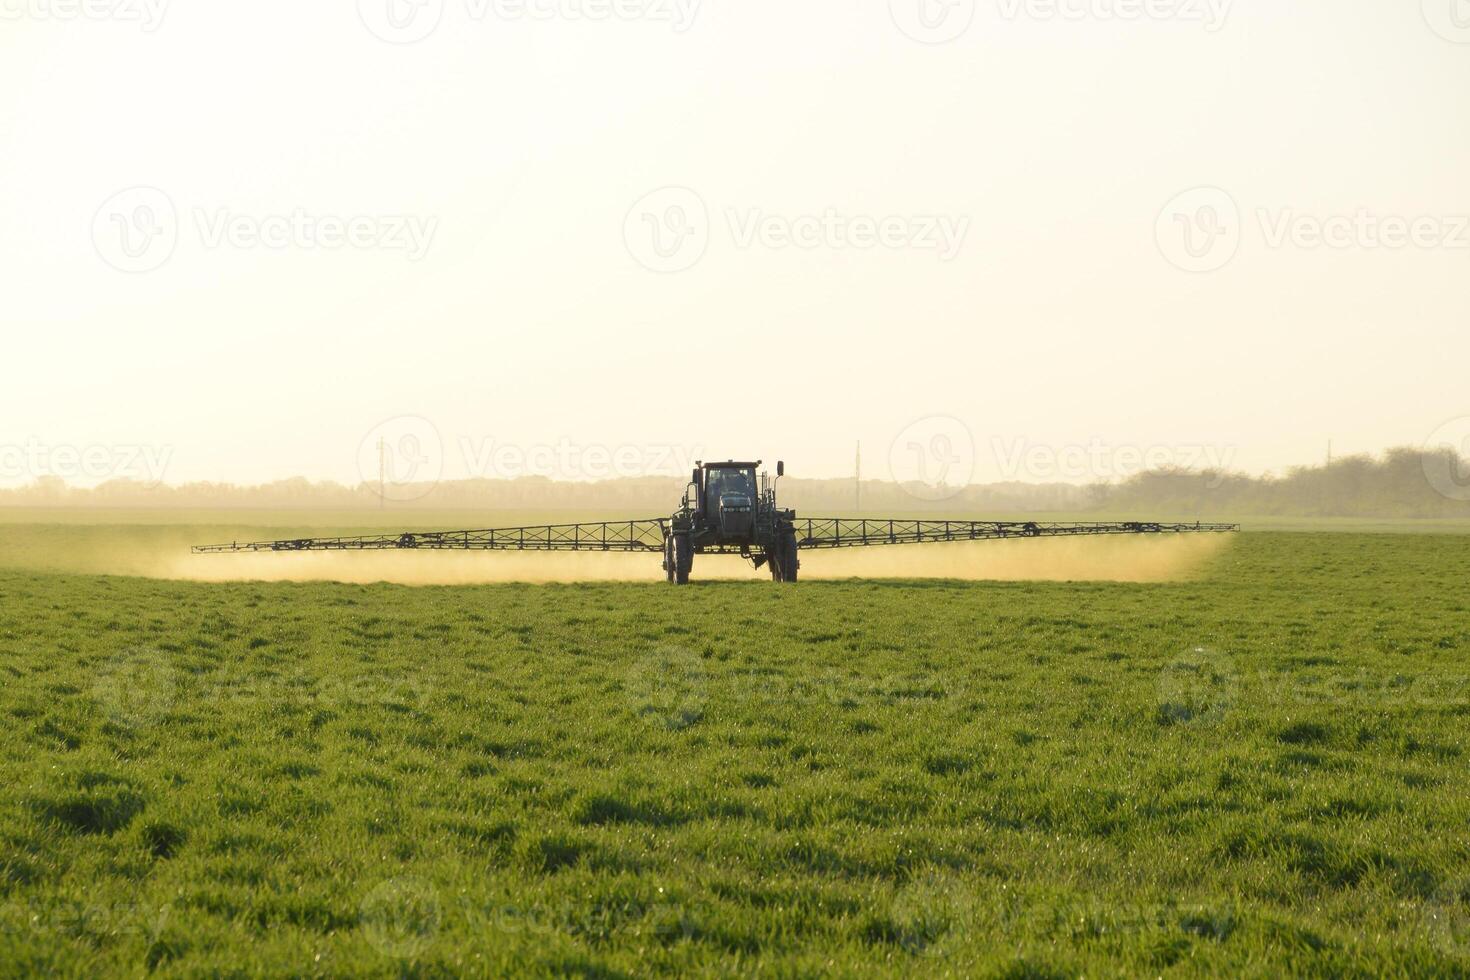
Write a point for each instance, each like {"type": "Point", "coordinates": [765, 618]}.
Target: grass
{"type": "Point", "coordinates": [1261, 772]}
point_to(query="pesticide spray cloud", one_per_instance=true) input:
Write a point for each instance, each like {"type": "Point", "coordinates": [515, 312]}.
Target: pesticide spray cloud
{"type": "Point", "coordinates": [1115, 559]}
{"type": "Point", "coordinates": [1125, 558]}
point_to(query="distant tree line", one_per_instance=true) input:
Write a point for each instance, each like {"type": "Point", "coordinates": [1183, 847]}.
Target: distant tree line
{"type": "Point", "coordinates": [1408, 483]}
{"type": "Point", "coordinates": [1402, 483]}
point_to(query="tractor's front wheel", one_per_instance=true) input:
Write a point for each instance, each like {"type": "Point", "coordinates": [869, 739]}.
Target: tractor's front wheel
{"type": "Point", "coordinates": [784, 561]}
{"type": "Point", "coordinates": [683, 558]}
{"type": "Point", "coordinates": [669, 559]}
{"type": "Point", "coordinates": [786, 556]}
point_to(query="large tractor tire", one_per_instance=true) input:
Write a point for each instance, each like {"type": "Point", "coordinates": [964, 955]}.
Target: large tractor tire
{"type": "Point", "coordinates": [786, 556]}
{"type": "Point", "coordinates": [683, 559]}
{"type": "Point", "coordinates": [669, 559]}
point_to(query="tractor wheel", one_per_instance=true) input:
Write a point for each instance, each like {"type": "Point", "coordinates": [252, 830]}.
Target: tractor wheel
{"type": "Point", "coordinates": [773, 561]}
{"type": "Point", "coordinates": [683, 558]}
{"type": "Point", "coordinates": [787, 553]}
{"type": "Point", "coordinates": [669, 559]}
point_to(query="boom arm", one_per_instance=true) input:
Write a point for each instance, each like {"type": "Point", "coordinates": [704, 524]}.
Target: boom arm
{"type": "Point", "coordinates": [611, 536]}
{"type": "Point", "coordinates": [649, 536]}
{"type": "Point", "coordinates": [833, 532]}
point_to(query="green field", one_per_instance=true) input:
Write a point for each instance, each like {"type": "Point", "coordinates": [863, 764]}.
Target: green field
{"type": "Point", "coordinates": [1261, 770]}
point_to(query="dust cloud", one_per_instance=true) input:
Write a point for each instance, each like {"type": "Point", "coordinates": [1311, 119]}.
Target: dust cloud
{"type": "Point", "coordinates": [1099, 559]}
{"type": "Point", "coordinates": [415, 567]}
{"type": "Point", "coordinates": [1122, 558]}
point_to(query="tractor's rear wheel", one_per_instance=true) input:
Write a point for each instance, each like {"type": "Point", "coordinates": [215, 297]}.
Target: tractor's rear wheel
{"type": "Point", "coordinates": [683, 559]}
{"type": "Point", "coordinates": [669, 559]}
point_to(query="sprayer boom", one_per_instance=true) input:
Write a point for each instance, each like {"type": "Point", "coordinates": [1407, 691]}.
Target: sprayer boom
{"type": "Point", "coordinates": [728, 509]}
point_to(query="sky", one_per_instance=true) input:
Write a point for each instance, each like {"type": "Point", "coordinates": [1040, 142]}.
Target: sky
{"type": "Point", "coordinates": [1017, 239]}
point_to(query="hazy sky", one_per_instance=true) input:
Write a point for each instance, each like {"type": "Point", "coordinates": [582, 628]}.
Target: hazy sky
{"type": "Point", "coordinates": [242, 237]}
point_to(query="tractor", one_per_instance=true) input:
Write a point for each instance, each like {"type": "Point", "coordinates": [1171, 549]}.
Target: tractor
{"type": "Point", "coordinates": [730, 509]}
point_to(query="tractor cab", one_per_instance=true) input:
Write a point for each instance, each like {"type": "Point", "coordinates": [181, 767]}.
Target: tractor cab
{"type": "Point", "coordinates": [726, 497]}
